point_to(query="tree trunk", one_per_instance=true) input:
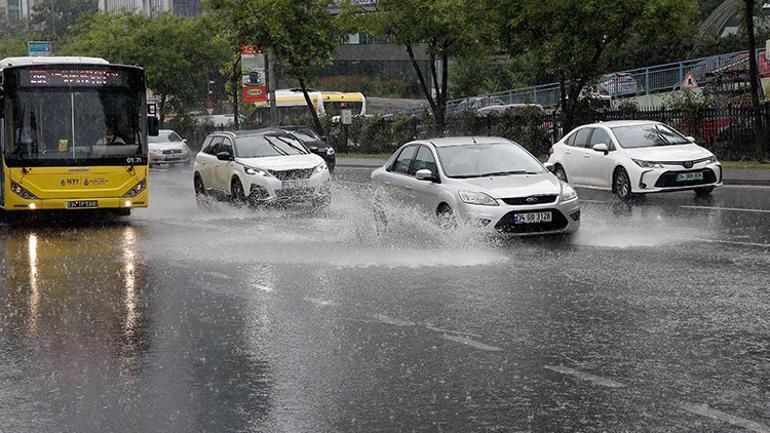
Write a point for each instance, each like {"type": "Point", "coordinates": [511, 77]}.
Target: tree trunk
{"type": "Point", "coordinates": [311, 107]}
{"type": "Point", "coordinates": [754, 80]}
{"type": "Point", "coordinates": [162, 110]}
{"type": "Point", "coordinates": [236, 90]}
{"type": "Point", "coordinates": [425, 88]}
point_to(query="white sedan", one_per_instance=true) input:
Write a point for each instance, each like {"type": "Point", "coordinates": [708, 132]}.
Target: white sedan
{"type": "Point", "coordinates": [168, 148]}
{"type": "Point", "coordinates": [634, 157]}
{"type": "Point", "coordinates": [262, 166]}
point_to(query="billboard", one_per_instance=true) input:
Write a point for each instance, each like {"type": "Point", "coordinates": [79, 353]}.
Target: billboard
{"type": "Point", "coordinates": [254, 87]}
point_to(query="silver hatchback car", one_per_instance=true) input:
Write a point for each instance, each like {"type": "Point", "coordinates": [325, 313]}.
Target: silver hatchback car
{"type": "Point", "coordinates": [484, 181]}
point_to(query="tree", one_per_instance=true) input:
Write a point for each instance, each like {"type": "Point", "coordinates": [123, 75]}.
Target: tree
{"type": "Point", "coordinates": [445, 28]}
{"type": "Point", "coordinates": [54, 18]}
{"type": "Point", "coordinates": [301, 34]}
{"type": "Point", "coordinates": [177, 53]}
{"type": "Point", "coordinates": [574, 42]}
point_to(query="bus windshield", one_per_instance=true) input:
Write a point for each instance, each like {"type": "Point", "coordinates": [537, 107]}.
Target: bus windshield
{"type": "Point", "coordinates": [59, 126]}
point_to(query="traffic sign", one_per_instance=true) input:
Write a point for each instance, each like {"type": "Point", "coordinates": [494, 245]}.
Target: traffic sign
{"type": "Point", "coordinates": [39, 48]}
{"type": "Point", "coordinates": [347, 116]}
{"type": "Point", "coordinates": [689, 81]}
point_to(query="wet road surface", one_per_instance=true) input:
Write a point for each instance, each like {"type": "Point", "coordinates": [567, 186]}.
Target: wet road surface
{"type": "Point", "coordinates": [653, 318]}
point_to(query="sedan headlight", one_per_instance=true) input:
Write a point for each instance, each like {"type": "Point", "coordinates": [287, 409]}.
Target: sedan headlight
{"type": "Point", "coordinates": [321, 167]}
{"type": "Point", "coordinates": [567, 192]}
{"type": "Point", "coordinates": [647, 164]}
{"type": "Point", "coordinates": [330, 151]}
{"type": "Point", "coordinates": [254, 171]}
{"type": "Point", "coordinates": [472, 197]}
{"type": "Point", "coordinates": [712, 159]}
{"type": "Point", "coordinates": [137, 189]}
{"type": "Point", "coordinates": [155, 152]}
{"type": "Point", "coordinates": [22, 192]}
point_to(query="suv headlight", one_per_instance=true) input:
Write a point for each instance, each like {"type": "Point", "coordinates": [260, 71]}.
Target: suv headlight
{"type": "Point", "coordinates": [472, 197]}
{"type": "Point", "coordinates": [567, 192]}
{"type": "Point", "coordinates": [137, 189]}
{"type": "Point", "coordinates": [330, 151]}
{"type": "Point", "coordinates": [254, 171]}
{"type": "Point", "coordinates": [321, 168]}
{"type": "Point", "coordinates": [21, 192]}
{"type": "Point", "coordinates": [647, 164]}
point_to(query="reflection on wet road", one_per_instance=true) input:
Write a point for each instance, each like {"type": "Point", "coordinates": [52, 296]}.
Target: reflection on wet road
{"type": "Point", "coordinates": [179, 318]}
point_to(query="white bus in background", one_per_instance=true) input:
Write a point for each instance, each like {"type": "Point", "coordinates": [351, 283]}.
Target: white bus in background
{"type": "Point", "coordinates": [291, 102]}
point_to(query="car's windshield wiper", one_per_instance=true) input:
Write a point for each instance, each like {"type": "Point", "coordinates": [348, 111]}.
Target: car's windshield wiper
{"type": "Point", "coordinates": [275, 147]}
{"type": "Point", "coordinates": [505, 173]}
{"type": "Point", "coordinates": [299, 148]}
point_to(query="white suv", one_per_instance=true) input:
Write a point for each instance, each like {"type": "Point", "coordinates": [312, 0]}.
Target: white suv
{"type": "Point", "coordinates": [262, 166]}
{"type": "Point", "coordinates": [634, 157]}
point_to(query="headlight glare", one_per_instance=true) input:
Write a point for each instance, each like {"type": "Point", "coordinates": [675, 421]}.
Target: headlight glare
{"type": "Point", "coordinates": [473, 197]}
{"type": "Point", "coordinates": [330, 151]}
{"type": "Point", "coordinates": [567, 192]}
{"type": "Point", "coordinates": [137, 189]}
{"type": "Point", "coordinates": [647, 164]}
{"type": "Point", "coordinates": [254, 171]}
{"type": "Point", "coordinates": [712, 159]}
{"type": "Point", "coordinates": [22, 192]}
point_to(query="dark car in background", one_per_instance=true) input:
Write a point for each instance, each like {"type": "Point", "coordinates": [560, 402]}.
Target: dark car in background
{"type": "Point", "coordinates": [314, 143]}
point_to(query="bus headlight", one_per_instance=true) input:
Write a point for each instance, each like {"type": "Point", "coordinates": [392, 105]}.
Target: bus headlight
{"type": "Point", "coordinates": [137, 189]}
{"type": "Point", "coordinates": [21, 192]}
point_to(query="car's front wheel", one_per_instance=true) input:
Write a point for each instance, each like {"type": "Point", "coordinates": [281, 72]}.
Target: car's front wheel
{"type": "Point", "coordinates": [622, 184]}
{"type": "Point", "coordinates": [236, 192]}
{"type": "Point", "coordinates": [446, 217]}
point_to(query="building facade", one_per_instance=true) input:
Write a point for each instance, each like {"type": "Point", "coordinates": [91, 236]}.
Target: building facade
{"type": "Point", "coordinates": [16, 8]}
{"type": "Point", "coordinates": [151, 7]}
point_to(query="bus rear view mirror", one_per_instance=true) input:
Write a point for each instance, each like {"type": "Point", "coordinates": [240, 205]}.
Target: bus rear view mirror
{"type": "Point", "coordinates": [153, 126]}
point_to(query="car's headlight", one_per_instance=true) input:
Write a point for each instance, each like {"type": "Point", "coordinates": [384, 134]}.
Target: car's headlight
{"type": "Point", "coordinates": [154, 152]}
{"type": "Point", "coordinates": [647, 164]}
{"type": "Point", "coordinates": [712, 159]}
{"type": "Point", "coordinates": [321, 167]}
{"type": "Point", "coordinates": [254, 171]}
{"type": "Point", "coordinates": [137, 189]}
{"type": "Point", "coordinates": [21, 192]}
{"type": "Point", "coordinates": [330, 151]}
{"type": "Point", "coordinates": [567, 192]}
{"type": "Point", "coordinates": [472, 197]}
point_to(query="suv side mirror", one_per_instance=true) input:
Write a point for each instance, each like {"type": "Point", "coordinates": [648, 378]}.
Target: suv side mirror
{"type": "Point", "coordinates": [224, 156]}
{"type": "Point", "coordinates": [601, 147]}
{"type": "Point", "coordinates": [153, 126]}
{"type": "Point", "coordinates": [424, 174]}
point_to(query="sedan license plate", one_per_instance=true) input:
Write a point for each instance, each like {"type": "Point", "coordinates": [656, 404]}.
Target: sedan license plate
{"type": "Point", "coordinates": [532, 218]}
{"type": "Point", "coordinates": [689, 177]}
{"type": "Point", "coordinates": [79, 204]}
{"type": "Point", "coordinates": [296, 184]}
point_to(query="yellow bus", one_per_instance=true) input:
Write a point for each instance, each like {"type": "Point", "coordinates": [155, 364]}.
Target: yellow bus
{"type": "Point", "coordinates": [73, 135]}
{"type": "Point", "coordinates": [291, 102]}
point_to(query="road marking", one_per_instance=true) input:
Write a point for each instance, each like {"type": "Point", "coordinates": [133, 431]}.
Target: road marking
{"type": "Point", "coordinates": [588, 377]}
{"type": "Point", "coordinates": [593, 201]}
{"type": "Point", "coordinates": [472, 343]}
{"type": "Point", "coordinates": [218, 275]}
{"type": "Point", "coordinates": [449, 331]}
{"type": "Point", "coordinates": [319, 302]}
{"type": "Point", "coordinates": [391, 320]}
{"type": "Point", "coordinates": [745, 244]}
{"type": "Point", "coordinates": [734, 209]}
{"type": "Point", "coordinates": [704, 410]}
{"type": "Point", "coordinates": [267, 289]}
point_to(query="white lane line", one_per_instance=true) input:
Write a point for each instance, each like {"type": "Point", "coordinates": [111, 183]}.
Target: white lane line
{"type": "Point", "coordinates": [593, 201]}
{"type": "Point", "coordinates": [733, 209]}
{"type": "Point", "coordinates": [744, 244]}
{"type": "Point", "coordinates": [267, 289]}
{"type": "Point", "coordinates": [319, 302]}
{"type": "Point", "coordinates": [472, 343]}
{"type": "Point", "coordinates": [704, 410]}
{"type": "Point", "coordinates": [391, 320]}
{"type": "Point", "coordinates": [218, 275]}
{"type": "Point", "coordinates": [449, 331]}
{"type": "Point", "coordinates": [588, 377]}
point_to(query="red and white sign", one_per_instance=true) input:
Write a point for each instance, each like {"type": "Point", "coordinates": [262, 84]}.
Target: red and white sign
{"type": "Point", "coordinates": [254, 87]}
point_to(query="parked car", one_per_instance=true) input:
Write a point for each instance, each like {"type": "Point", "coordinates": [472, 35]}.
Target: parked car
{"type": "Point", "coordinates": [483, 181]}
{"type": "Point", "coordinates": [634, 157]}
{"type": "Point", "coordinates": [620, 84]}
{"type": "Point", "coordinates": [475, 102]}
{"type": "Point", "coordinates": [260, 167]}
{"type": "Point", "coordinates": [314, 143]}
{"type": "Point", "coordinates": [513, 108]}
{"type": "Point", "coordinates": [168, 148]}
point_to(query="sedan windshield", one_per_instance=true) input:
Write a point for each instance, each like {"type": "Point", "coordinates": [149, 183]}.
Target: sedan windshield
{"type": "Point", "coordinates": [649, 135]}
{"type": "Point", "coordinates": [168, 137]}
{"type": "Point", "coordinates": [259, 146]}
{"type": "Point", "coordinates": [479, 160]}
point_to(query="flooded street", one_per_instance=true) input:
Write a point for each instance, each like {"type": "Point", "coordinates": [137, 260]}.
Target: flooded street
{"type": "Point", "coordinates": [653, 318]}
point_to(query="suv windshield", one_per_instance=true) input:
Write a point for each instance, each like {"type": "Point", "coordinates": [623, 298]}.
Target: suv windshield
{"type": "Point", "coordinates": [478, 160]}
{"type": "Point", "coordinates": [648, 135]}
{"type": "Point", "coordinates": [259, 146]}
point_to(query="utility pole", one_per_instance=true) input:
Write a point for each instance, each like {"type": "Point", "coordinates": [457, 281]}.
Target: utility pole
{"type": "Point", "coordinates": [269, 59]}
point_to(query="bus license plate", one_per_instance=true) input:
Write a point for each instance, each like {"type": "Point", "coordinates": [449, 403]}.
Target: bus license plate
{"type": "Point", "coordinates": [689, 177]}
{"type": "Point", "coordinates": [532, 218]}
{"type": "Point", "coordinates": [79, 204]}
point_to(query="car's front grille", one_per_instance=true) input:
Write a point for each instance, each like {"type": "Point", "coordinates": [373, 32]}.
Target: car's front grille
{"type": "Point", "coordinates": [530, 200]}
{"type": "Point", "coordinates": [172, 151]}
{"type": "Point", "coordinates": [668, 179]}
{"type": "Point", "coordinates": [299, 174]}
{"type": "Point", "coordinates": [507, 225]}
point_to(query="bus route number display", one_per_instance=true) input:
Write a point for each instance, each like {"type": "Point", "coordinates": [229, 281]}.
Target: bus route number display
{"type": "Point", "coordinates": [73, 78]}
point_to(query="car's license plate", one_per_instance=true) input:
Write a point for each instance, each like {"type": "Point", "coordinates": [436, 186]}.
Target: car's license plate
{"type": "Point", "coordinates": [82, 204]}
{"type": "Point", "coordinates": [295, 184]}
{"type": "Point", "coordinates": [532, 218]}
{"type": "Point", "coordinates": [689, 177]}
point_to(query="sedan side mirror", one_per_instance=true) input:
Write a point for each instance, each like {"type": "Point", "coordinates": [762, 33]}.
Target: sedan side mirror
{"type": "Point", "coordinates": [424, 174]}
{"type": "Point", "coordinates": [601, 147]}
{"type": "Point", "coordinates": [550, 166]}
{"type": "Point", "coordinates": [690, 138]}
{"type": "Point", "coordinates": [224, 156]}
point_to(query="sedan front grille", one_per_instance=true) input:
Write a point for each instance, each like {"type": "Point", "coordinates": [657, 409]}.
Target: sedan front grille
{"type": "Point", "coordinates": [530, 200]}
{"type": "Point", "coordinates": [507, 225]}
{"type": "Point", "coordinates": [172, 151]}
{"type": "Point", "coordinates": [298, 174]}
{"type": "Point", "coordinates": [668, 179]}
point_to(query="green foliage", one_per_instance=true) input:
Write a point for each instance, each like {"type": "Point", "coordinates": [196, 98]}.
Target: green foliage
{"type": "Point", "coordinates": [472, 75]}
{"type": "Point", "coordinates": [55, 18]}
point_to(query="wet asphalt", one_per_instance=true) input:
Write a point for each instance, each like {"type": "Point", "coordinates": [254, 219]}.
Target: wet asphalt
{"type": "Point", "coordinates": [653, 318]}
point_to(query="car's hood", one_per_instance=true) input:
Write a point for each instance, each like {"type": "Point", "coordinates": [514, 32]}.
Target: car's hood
{"type": "Point", "coordinates": [291, 162]}
{"type": "Point", "coordinates": [167, 146]}
{"type": "Point", "coordinates": [315, 145]}
{"type": "Point", "coordinates": [519, 185]}
{"type": "Point", "coordinates": [684, 152]}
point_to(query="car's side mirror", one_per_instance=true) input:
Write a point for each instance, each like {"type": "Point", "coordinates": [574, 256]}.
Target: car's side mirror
{"type": "Point", "coordinates": [153, 126]}
{"type": "Point", "coordinates": [690, 138]}
{"type": "Point", "coordinates": [224, 156]}
{"type": "Point", "coordinates": [424, 174]}
{"type": "Point", "coordinates": [601, 147]}
{"type": "Point", "coordinates": [184, 140]}
{"type": "Point", "coordinates": [550, 167]}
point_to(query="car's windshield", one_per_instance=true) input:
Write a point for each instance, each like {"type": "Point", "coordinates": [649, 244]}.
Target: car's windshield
{"type": "Point", "coordinates": [647, 135]}
{"type": "Point", "coordinates": [306, 134]}
{"type": "Point", "coordinates": [477, 160]}
{"type": "Point", "coordinates": [259, 146]}
{"type": "Point", "coordinates": [165, 137]}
